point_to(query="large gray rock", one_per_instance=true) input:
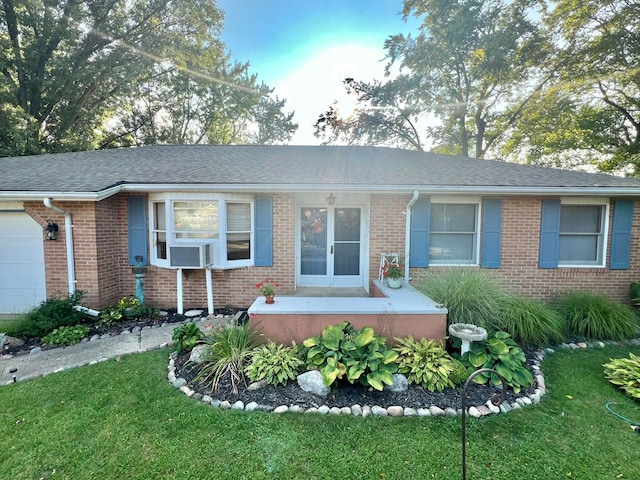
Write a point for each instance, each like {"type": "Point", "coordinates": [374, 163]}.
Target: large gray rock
{"type": "Point", "coordinates": [13, 342]}
{"type": "Point", "coordinates": [400, 383]}
{"type": "Point", "coordinates": [199, 353]}
{"type": "Point", "coordinates": [312, 382]}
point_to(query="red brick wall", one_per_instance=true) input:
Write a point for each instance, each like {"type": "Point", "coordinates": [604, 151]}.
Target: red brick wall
{"type": "Point", "coordinates": [387, 231]}
{"type": "Point", "coordinates": [103, 272]}
{"type": "Point", "coordinates": [519, 270]}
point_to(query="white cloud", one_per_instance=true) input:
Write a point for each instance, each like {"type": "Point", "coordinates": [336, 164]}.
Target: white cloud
{"type": "Point", "coordinates": [316, 84]}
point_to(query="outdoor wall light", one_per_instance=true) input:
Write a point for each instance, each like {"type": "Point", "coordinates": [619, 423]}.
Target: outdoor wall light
{"type": "Point", "coordinates": [331, 199]}
{"type": "Point", "coordinates": [52, 230]}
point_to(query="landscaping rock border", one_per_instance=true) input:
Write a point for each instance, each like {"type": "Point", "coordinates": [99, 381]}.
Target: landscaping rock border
{"type": "Point", "coordinates": [476, 411]}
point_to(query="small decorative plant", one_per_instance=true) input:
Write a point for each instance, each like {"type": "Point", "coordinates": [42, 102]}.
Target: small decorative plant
{"type": "Point", "coordinates": [276, 364]}
{"type": "Point", "coordinates": [187, 336]}
{"type": "Point", "coordinates": [65, 335]}
{"type": "Point", "coordinates": [625, 374]}
{"type": "Point", "coordinates": [503, 355]}
{"type": "Point", "coordinates": [393, 270]}
{"type": "Point", "coordinates": [426, 363]}
{"type": "Point", "coordinates": [267, 287]}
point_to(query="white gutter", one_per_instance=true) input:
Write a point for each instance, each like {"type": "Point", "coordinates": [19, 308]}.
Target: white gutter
{"type": "Point", "coordinates": [608, 191]}
{"type": "Point", "coordinates": [407, 236]}
{"type": "Point", "coordinates": [68, 232]}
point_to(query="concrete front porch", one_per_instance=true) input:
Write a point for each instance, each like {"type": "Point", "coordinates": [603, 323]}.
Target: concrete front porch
{"type": "Point", "coordinates": [391, 312]}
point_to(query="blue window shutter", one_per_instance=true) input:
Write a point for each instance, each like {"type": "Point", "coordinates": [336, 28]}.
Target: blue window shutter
{"type": "Point", "coordinates": [549, 233]}
{"type": "Point", "coordinates": [491, 233]}
{"type": "Point", "coordinates": [137, 228]}
{"type": "Point", "coordinates": [621, 235]}
{"type": "Point", "coordinates": [420, 220]}
{"type": "Point", "coordinates": [263, 232]}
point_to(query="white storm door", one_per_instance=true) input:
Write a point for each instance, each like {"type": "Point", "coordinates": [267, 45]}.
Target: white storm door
{"type": "Point", "coordinates": [330, 247]}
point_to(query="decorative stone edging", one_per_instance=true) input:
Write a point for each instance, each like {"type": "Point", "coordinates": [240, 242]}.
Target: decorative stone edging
{"type": "Point", "coordinates": [476, 411]}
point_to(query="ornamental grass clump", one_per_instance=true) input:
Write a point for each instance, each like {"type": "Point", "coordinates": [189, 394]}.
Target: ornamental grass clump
{"type": "Point", "coordinates": [470, 295]}
{"type": "Point", "coordinates": [530, 322]}
{"type": "Point", "coordinates": [595, 316]}
{"type": "Point", "coordinates": [228, 354]}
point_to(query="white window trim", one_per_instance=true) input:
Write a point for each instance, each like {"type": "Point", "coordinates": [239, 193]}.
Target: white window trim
{"type": "Point", "coordinates": [596, 202]}
{"type": "Point", "coordinates": [220, 243]}
{"type": "Point", "coordinates": [466, 201]}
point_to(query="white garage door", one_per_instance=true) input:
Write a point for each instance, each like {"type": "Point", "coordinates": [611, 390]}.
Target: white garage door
{"type": "Point", "coordinates": [22, 280]}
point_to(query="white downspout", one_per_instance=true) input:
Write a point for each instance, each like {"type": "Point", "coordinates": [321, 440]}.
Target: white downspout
{"type": "Point", "coordinates": [407, 236]}
{"type": "Point", "coordinates": [68, 232]}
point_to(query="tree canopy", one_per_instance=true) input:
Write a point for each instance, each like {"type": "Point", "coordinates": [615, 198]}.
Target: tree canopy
{"type": "Point", "coordinates": [535, 81]}
{"type": "Point", "coordinates": [85, 74]}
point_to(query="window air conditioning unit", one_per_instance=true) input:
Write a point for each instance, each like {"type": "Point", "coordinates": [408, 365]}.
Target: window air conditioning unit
{"type": "Point", "coordinates": [191, 256]}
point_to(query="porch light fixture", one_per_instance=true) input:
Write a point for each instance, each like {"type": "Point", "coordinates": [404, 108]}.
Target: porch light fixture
{"type": "Point", "coordinates": [52, 230]}
{"type": "Point", "coordinates": [331, 199]}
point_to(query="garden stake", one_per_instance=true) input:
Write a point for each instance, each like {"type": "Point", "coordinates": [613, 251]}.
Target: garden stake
{"type": "Point", "coordinates": [503, 395]}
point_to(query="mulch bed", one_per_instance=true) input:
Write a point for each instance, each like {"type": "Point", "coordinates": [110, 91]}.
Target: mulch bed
{"type": "Point", "coordinates": [345, 395]}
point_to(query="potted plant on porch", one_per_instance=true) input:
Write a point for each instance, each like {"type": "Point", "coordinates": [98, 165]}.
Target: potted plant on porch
{"type": "Point", "coordinates": [268, 289]}
{"type": "Point", "coordinates": [394, 273]}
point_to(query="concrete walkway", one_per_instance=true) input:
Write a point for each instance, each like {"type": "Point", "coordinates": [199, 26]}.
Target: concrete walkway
{"type": "Point", "coordinates": [30, 366]}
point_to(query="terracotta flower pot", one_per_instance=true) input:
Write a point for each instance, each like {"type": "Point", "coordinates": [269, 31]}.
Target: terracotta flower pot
{"type": "Point", "coordinates": [269, 299]}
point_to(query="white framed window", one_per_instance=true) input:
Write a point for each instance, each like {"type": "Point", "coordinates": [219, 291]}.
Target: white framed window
{"type": "Point", "coordinates": [583, 232]}
{"type": "Point", "coordinates": [453, 233]}
{"type": "Point", "coordinates": [190, 219]}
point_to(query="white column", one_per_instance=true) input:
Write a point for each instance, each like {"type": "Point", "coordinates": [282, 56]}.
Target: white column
{"type": "Point", "coordinates": [180, 298]}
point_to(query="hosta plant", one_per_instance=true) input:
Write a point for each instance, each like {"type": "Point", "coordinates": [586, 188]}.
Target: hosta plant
{"type": "Point", "coordinates": [66, 335]}
{"type": "Point", "coordinates": [425, 363]}
{"type": "Point", "coordinates": [276, 364]}
{"type": "Point", "coordinates": [503, 355]}
{"type": "Point", "coordinates": [625, 373]}
{"type": "Point", "coordinates": [187, 336]}
{"type": "Point", "coordinates": [359, 356]}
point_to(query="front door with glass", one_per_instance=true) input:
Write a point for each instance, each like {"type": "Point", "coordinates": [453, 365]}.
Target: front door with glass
{"type": "Point", "coordinates": [330, 240]}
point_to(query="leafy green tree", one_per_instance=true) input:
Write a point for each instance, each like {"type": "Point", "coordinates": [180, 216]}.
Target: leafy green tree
{"type": "Point", "coordinates": [85, 74]}
{"type": "Point", "coordinates": [463, 80]}
{"type": "Point", "coordinates": [593, 113]}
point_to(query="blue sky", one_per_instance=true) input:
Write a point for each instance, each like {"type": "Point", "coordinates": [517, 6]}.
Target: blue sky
{"type": "Point", "coordinates": [305, 48]}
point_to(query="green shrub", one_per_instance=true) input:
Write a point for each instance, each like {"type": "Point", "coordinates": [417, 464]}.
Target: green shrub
{"type": "Point", "coordinates": [503, 355]}
{"type": "Point", "coordinates": [625, 373]}
{"type": "Point", "coordinates": [276, 364]}
{"type": "Point", "coordinates": [459, 373]}
{"type": "Point", "coordinates": [229, 353]}
{"type": "Point", "coordinates": [51, 314]}
{"type": "Point", "coordinates": [187, 336]}
{"type": "Point", "coordinates": [591, 315]}
{"type": "Point", "coordinates": [425, 363]}
{"type": "Point", "coordinates": [470, 295]}
{"type": "Point", "coordinates": [362, 356]}
{"type": "Point", "coordinates": [65, 336]}
{"type": "Point", "coordinates": [531, 322]}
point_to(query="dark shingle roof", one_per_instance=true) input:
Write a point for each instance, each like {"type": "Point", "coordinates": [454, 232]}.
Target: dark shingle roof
{"type": "Point", "coordinates": [295, 166]}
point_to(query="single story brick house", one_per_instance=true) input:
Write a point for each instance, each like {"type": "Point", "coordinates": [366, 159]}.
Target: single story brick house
{"type": "Point", "coordinates": [210, 221]}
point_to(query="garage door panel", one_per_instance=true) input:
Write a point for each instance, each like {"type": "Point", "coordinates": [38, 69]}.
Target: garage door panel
{"type": "Point", "coordinates": [22, 278]}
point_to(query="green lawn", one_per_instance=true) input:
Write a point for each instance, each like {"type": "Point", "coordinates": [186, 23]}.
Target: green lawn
{"type": "Point", "coordinates": [124, 420]}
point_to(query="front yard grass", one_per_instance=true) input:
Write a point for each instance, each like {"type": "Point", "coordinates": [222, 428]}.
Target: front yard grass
{"type": "Point", "coordinates": [124, 420]}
